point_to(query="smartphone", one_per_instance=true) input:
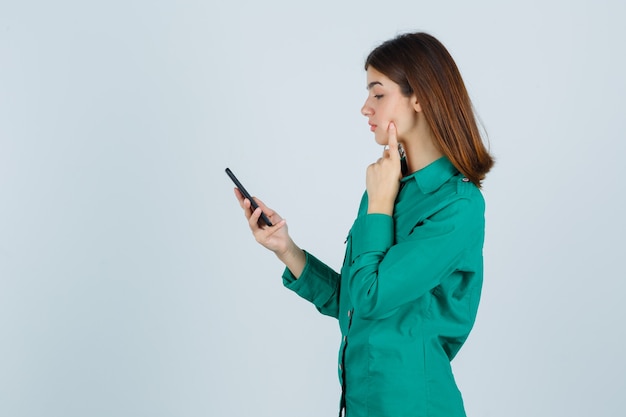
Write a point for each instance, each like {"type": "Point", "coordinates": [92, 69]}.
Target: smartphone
{"type": "Point", "coordinates": [247, 195]}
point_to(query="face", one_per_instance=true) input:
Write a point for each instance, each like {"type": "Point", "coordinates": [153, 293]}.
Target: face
{"type": "Point", "coordinates": [385, 103]}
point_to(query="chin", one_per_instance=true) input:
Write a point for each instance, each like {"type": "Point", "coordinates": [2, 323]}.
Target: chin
{"type": "Point", "coordinates": [381, 141]}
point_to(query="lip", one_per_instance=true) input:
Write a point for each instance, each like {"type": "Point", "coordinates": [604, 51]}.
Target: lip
{"type": "Point", "coordinates": [372, 127]}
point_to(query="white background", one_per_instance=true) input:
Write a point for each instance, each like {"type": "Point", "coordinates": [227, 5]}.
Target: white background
{"type": "Point", "coordinates": [129, 283]}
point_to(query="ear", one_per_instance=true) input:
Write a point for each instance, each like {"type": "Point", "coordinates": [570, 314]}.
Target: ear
{"type": "Point", "coordinates": [416, 104]}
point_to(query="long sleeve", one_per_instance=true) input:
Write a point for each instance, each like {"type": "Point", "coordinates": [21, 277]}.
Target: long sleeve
{"type": "Point", "coordinates": [318, 284]}
{"type": "Point", "coordinates": [384, 275]}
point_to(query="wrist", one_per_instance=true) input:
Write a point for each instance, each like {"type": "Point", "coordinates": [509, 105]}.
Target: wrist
{"type": "Point", "coordinates": [294, 258]}
{"type": "Point", "coordinates": [380, 207]}
{"type": "Point", "coordinates": [291, 252]}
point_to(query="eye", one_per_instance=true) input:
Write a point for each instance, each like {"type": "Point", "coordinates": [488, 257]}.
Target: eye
{"type": "Point", "coordinates": [378, 96]}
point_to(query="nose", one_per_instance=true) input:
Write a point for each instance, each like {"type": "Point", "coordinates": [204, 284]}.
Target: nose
{"type": "Point", "coordinates": [366, 110]}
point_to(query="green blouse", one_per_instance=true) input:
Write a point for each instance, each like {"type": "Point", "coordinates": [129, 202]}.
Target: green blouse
{"type": "Point", "coordinates": [407, 296]}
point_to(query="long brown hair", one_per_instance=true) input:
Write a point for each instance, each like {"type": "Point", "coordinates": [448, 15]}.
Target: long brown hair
{"type": "Point", "coordinates": [421, 65]}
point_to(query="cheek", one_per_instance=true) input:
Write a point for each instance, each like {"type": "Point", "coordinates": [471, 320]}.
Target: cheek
{"type": "Point", "coordinates": [399, 114]}
{"type": "Point", "coordinates": [406, 121]}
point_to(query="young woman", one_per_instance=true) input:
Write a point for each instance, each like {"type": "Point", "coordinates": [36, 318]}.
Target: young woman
{"type": "Point", "coordinates": [408, 291]}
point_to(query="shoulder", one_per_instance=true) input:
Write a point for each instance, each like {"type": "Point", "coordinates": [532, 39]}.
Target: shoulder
{"type": "Point", "coordinates": [461, 200]}
{"type": "Point", "coordinates": [467, 190]}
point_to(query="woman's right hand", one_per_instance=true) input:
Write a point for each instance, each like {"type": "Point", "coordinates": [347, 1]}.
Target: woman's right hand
{"type": "Point", "coordinates": [275, 238]}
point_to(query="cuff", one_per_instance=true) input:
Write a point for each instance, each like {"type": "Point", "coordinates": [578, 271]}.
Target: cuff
{"type": "Point", "coordinates": [289, 279]}
{"type": "Point", "coordinates": [372, 233]}
{"type": "Point", "coordinates": [316, 283]}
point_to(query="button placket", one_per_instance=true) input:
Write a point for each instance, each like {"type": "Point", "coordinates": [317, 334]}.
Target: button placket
{"type": "Point", "coordinates": [342, 365]}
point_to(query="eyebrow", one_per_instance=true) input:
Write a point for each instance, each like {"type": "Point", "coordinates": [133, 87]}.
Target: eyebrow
{"type": "Point", "coordinates": [372, 84]}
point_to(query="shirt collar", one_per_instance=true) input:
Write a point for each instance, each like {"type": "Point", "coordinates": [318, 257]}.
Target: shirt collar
{"type": "Point", "coordinates": [433, 176]}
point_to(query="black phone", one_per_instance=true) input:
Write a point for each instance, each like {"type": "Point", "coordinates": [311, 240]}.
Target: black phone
{"type": "Point", "coordinates": [247, 195]}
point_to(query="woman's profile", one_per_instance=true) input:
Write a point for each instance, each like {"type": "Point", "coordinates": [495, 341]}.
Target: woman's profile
{"type": "Point", "coordinates": [408, 291]}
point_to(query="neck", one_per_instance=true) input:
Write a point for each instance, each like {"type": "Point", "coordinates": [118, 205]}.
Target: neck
{"type": "Point", "coordinates": [421, 150]}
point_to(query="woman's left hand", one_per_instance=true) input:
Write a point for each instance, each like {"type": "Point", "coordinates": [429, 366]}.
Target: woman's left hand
{"type": "Point", "coordinates": [383, 177]}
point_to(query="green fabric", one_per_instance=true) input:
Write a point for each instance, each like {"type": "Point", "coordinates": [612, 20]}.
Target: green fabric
{"type": "Point", "coordinates": [407, 296]}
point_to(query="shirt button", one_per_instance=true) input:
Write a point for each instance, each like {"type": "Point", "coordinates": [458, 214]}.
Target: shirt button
{"type": "Point", "coordinates": [345, 338]}
{"type": "Point", "coordinates": [340, 367]}
{"type": "Point", "coordinates": [465, 180]}
{"type": "Point", "coordinates": [349, 313]}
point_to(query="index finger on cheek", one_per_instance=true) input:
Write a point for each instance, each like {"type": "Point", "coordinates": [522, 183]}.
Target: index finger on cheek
{"type": "Point", "coordinates": [393, 139]}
